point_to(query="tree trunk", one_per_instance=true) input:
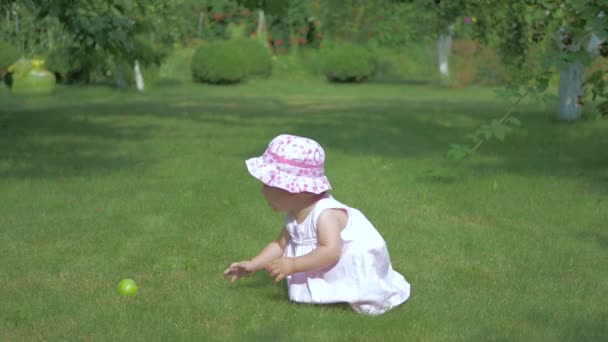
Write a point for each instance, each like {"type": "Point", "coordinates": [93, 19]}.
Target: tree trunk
{"type": "Point", "coordinates": [443, 52]}
{"type": "Point", "coordinates": [139, 79]}
{"type": "Point", "coordinates": [571, 79]}
{"type": "Point", "coordinates": [201, 22]}
{"type": "Point", "coordinates": [571, 92]}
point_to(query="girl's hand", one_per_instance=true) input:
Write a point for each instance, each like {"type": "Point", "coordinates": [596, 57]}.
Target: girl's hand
{"type": "Point", "coordinates": [240, 269]}
{"type": "Point", "coordinates": [281, 268]}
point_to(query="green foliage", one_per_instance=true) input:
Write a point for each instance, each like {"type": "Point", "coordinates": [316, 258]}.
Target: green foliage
{"type": "Point", "coordinates": [496, 129]}
{"type": "Point", "coordinates": [75, 65]}
{"type": "Point", "coordinates": [59, 61]}
{"type": "Point", "coordinates": [388, 23]}
{"type": "Point", "coordinates": [221, 18]}
{"type": "Point", "coordinates": [109, 26]}
{"type": "Point", "coordinates": [149, 51]}
{"type": "Point", "coordinates": [411, 63]}
{"type": "Point", "coordinates": [348, 62]}
{"type": "Point", "coordinates": [490, 71]}
{"type": "Point", "coordinates": [8, 55]}
{"type": "Point", "coordinates": [151, 75]}
{"type": "Point", "coordinates": [463, 62]}
{"type": "Point", "coordinates": [220, 62]}
{"type": "Point", "coordinates": [446, 12]}
{"type": "Point", "coordinates": [352, 20]}
{"type": "Point", "coordinates": [302, 66]}
{"type": "Point", "coordinates": [258, 58]}
{"type": "Point", "coordinates": [398, 25]}
{"type": "Point", "coordinates": [537, 39]}
{"type": "Point", "coordinates": [22, 29]}
{"type": "Point", "coordinates": [298, 15]}
{"type": "Point", "coordinates": [90, 34]}
{"type": "Point", "coordinates": [177, 65]}
{"type": "Point", "coordinates": [236, 31]}
{"type": "Point", "coordinates": [599, 78]}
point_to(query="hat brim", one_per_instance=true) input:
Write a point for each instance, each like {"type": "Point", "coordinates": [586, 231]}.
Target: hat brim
{"type": "Point", "coordinates": [270, 175]}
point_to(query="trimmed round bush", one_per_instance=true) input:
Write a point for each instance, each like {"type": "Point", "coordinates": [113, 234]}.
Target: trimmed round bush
{"type": "Point", "coordinates": [259, 60]}
{"type": "Point", "coordinates": [348, 63]}
{"type": "Point", "coordinates": [221, 62]}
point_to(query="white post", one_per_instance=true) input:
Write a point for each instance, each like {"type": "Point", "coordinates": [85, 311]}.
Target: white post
{"type": "Point", "coordinates": [139, 79]}
{"type": "Point", "coordinates": [261, 23]}
{"type": "Point", "coordinates": [201, 22]}
{"type": "Point", "coordinates": [443, 52]}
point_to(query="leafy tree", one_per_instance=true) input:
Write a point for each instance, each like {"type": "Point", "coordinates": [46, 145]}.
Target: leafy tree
{"type": "Point", "coordinates": [569, 33]}
{"type": "Point", "coordinates": [119, 30]}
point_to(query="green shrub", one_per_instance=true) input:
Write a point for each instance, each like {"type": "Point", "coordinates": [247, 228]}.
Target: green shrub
{"type": "Point", "coordinates": [221, 62]}
{"type": "Point", "coordinates": [304, 65]}
{"type": "Point", "coordinates": [71, 64]}
{"type": "Point", "coordinates": [258, 58]}
{"type": "Point", "coordinates": [463, 67]}
{"type": "Point", "coordinates": [60, 62]}
{"type": "Point", "coordinates": [8, 56]}
{"type": "Point", "coordinates": [348, 63]}
{"type": "Point", "coordinates": [235, 31]}
{"type": "Point", "coordinates": [149, 52]}
{"type": "Point", "coordinates": [414, 63]}
{"type": "Point", "coordinates": [490, 70]}
{"type": "Point", "coordinates": [177, 64]}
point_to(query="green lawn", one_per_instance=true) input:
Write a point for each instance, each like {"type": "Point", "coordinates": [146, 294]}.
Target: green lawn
{"type": "Point", "coordinates": [98, 185]}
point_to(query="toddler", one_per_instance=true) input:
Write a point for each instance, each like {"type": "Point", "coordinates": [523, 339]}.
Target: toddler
{"type": "Point", "coordinates": [327, 251]}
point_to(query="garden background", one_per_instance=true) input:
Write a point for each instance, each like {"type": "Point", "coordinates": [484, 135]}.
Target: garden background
{"type": "Point", "coordinates": [471, 132]}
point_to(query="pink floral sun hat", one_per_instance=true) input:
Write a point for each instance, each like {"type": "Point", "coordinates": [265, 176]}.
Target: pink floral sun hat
{"type": "Point", "coordinates": [292, 163]}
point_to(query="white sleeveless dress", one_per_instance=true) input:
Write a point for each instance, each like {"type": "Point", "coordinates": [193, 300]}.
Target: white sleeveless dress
{"type": "Point", "coordinates": [363, 277]}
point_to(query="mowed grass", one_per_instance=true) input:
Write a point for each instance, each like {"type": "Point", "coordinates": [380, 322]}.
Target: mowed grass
{"type": "Point", "coordinates": [98, 185]}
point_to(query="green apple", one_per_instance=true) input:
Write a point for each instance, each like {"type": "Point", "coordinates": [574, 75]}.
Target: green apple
{"type": "Point", "coordinates": [127, 287]}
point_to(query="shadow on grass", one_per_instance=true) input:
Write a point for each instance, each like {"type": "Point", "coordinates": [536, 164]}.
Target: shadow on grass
{"type": "Point", "coordinates": [279, 293]}
{"type": "Point", "coordinates": [596, 235]}
{"type": "Point", "coordinates": [77, 132]}
{"type": "Point", "coordinates": [261, 282]}
{"type": "Point", "coordinates": [35, 146]}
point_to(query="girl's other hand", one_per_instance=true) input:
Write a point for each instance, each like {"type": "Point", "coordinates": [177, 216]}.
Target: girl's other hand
{"type": "Point", "coordinates": [240, 269]}
{"type": "Point", "coordinates": [280, 268]}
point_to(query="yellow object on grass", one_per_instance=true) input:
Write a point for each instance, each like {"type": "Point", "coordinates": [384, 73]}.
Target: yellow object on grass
{"type": "Point", "coordinates": [30, 77]}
